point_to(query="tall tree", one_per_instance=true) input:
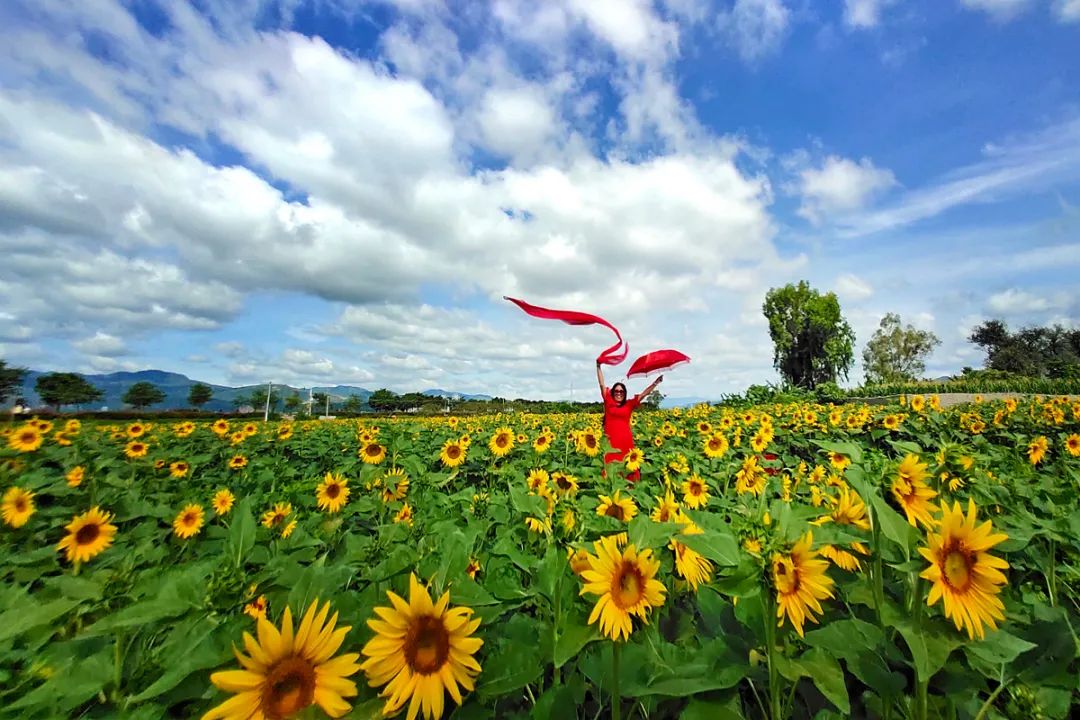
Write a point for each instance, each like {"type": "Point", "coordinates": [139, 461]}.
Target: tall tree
{"type": "Point", "coordinates": [897, 352]}
{"type": "Point", "coordinates": [812, 342]}
{"type": "Point", "coordinates": [383, 400]}
{"type": "Point", "coordinates": [10, 380]}
{"type": "Point", "coordinates": [1052, 352]}
{"type": "Point", "coordinates": [60, 389]}
{"type": "Point", "coordinates": [143, 395]}
{"type": "Point", "coordinates": [292, 403]}
{"type": "Point", "coordinates": [354, 404]}
{"type": "Point", "coordinates": [653, 400]}
{"type": "Point", "coordinates": [199, 395]}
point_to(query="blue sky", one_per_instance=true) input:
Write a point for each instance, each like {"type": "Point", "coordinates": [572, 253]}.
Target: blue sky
{"type": "Point", "coordinates": [342, 191]}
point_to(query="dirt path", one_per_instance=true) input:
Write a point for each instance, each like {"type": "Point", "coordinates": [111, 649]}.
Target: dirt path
{"type": "Point", "coordinates": [950, 399]}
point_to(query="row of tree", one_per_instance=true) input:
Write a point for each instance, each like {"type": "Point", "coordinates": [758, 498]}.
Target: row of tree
{"type": "Point", "coordinates": [813, 344]}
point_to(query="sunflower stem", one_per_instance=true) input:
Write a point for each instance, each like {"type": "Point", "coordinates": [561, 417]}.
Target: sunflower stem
{"type": "Point", "coordinates": [921, 687]}
{"type": "Point", "coordinates": [1051, 579]}
{"type": "Point", "coordinates": [990, 700]}
{"type": "Point", "coordinates": [879, 582]}
{"type": "Point", "coordinates": [616, 698]}
{"type": "Point", "coordinates": [775, 709]}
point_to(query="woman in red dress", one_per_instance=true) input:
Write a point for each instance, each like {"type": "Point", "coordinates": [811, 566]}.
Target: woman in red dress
{"type": "Point", "coordinates": [617, 410]}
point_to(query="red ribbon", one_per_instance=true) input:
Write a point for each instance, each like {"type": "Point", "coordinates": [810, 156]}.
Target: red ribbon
{"type": "Point", "coordinates": [611, 356]}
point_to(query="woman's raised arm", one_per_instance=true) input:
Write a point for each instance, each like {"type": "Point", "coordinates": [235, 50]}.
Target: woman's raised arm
{"type": "Point", "coordinates": [600, 379]}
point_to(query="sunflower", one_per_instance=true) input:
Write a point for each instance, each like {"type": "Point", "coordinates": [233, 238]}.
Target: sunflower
{"type": "Point", "coordinates": [189, 522]}
{"type": "Point", "coordinates": [237, 437]}
{"type": "Point", "coordinates": [667, 508]}
{"type": "Point", "coordinates": [716, 445]}
{"type": "Point", "coordinates": [473, 568]}
{"type": "Point", "coordinates": [751, 477]}
{"type": "Point", "coordinates": [891, 422]}
{"type": "Point", "coordinates": [26, 438]}
{"type": "Point", "coordinates": [220, 427]}
{"type": "Point", "coordinates": [237, 462]}
{"type": "Point", "coordinates": [17, 506]}
{"type": "Point", "coordinates": [453, 453]}
{"type": "Point", "coordinates": [1037, 450]}
{"type": "Point", "coordinates": [537, 480]}
{"type": "Point", "coordinates": [404, 515]}
{"type": "Point", "coordinates": [62, 439]}
{"type": "Point", "coordinates": [286, 671]}
{"type": "Point", "coordinates": [88, 534]}
{"type": "Point", "coordinates": [634, 458]}
{"type": "Point", "coordinates": [178, 469]}
{"type": "Point", "coordinates": [839, 460]}
{"type": "Point", "coordinates": [844, 559]}
{"type": "Point", "coordinates": [695, 492]}
{"type": "Point", "coordinates": [399, 479]}
{"type": "Point", "coordinates": [184, 429]}
{"type": "Point", "coordinates": [912, 493]}
{"type": "Point", "coordinates": [372, 453]}
{"type": "Point", "coordinates": [159, 464]}
{"type": "Point", "coordinates": [588, 443]}
{"type": "Point", "coordinates": [759, 442]}
{"type": "Point", "coordinates": [619, 508]}
{"type": "Point", "coordinates": [72, 427]}
{"type": "Point", "coordinates": [136, 449]}
{"type": "Point", "coordinates": [1072, 444]}
{"type": "Point", "coordinates": [75, 476]}
{"type": "Point", "coordinates": [542, 443]}
{"type": "Point", "coordinates": [917, 403]}
{"type": "Point", "coordinates": [332, 493]}
{"type": "Point", "coordinates": [250, 429]}
{"type": "Point", "coordinates": [502, 442]}
{"type": "Point", "coordinates": [625, 583]}
{"type": "Point", "coordinates": [964, 574]}
{"type": "Point", "coordinates": [704, 427]}
{"type": "Point", "coordinates": [565, 485]}
{"type": "Point", "coordinates": [223, 501]}
{"type": "Point", "coordinates": [800, 582]}
{"type": "Point", "coordinates": [691, 565]}
{"type": "Point", "coordinates": [421, 650]}
{"type": "Point", "coordinates": [135, 430]}
{"type": "Point", "coordinates": [288, 529]}
{"type": "Point", "coordinates": [849, 510]}
{"type": "Point", "coordinates": [752, 545]}
{"type": "Point", "coordinates": [540, 527]}
{"type": "Point", "coordinates": [257, 607]}
{"type": "Point", "coordinates": [579, 560]}
{"type": "Point", "coordinates": [284, 432]}
{"type": "Point", "coordinates": [569, 520]}
{"type": "Point", "coordinates": [277, 514]}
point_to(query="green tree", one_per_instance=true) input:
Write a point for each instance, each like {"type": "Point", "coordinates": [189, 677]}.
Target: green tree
{"type": "Point", "coordinates": [318, 405]}
{"type": "Point", "coordinates": [897, 352]}
{"type": "Point", "coordinates": [60, 389]}
{"type": "Point", "coordinates": [653, 400]}
{"type": "Point", "coordinates": [383, 400]}
{"type": "Point", "coordinates": [812, 342]}
{"type": "Point", "coordinates": [292, 403]}
{"type": "Point", "coordinates": [354, 404]}
{"type": "Point", "coordinates": [142, 395]}
{"type": "Point", "coordinates": [10, 380]}
{"type": "Point", "coordinates": [199, 395]}
{"type": "Point", "coordinates": [1048, 352]}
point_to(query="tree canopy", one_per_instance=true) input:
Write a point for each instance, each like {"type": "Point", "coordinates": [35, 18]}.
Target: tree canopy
{"type": "Point", "coordinates": [199, 394]}
{"type": "Point", "coordinates": [10, 380]}
{"type": "Point", "coordinates": [812, 342]}
{"type": "Point", "coordinates": [1046, 352]}
{"type": "Point", "coordinates": [142, 395]}
{"type": "Point", "coordinates": [59, 389]}
{"type": "Point", "coordinates": [897, 352]}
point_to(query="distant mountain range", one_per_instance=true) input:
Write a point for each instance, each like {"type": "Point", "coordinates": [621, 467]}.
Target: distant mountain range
{"type": "Point", "coordinates": [176, 388]}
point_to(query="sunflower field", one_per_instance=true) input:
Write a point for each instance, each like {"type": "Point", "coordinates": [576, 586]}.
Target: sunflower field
{"type": "Point", "coordinates": [797, 560]}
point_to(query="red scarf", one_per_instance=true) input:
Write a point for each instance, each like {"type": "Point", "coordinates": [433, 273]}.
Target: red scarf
{"type": "Point", "coordinates": [611, 356]}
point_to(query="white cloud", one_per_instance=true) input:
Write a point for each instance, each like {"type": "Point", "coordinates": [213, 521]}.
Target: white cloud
{"type": "Point", "coordinates": [517, 123]}
{"type": "Point", "coordinates": [864, 13]}
{"type": "Point", "coordinates": [1001, 10]}
{"type": "Point", "coordinates": [1016, 302]}
{"type": "Point", "coordinates": [755, 27]}
{"type": "Point", "coordinates": [840, 186]}
{"type": "Point", "coordinates": [631, 27]}
{"type": "Point", "coordinates": [851, 287]}
{"type": "Point", "coordinates": [1067, 11]}
{"type": "Point", "coordinates": [101, 344]}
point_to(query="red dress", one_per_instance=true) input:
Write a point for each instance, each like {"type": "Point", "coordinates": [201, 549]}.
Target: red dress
{"type": "Point", "coordinates": [617, 428]}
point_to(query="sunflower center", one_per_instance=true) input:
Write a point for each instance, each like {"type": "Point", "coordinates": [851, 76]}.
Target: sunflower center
{"type": "Point", "coordinates": [787, 579]}
{"type": "Point", "coordinates": [453, 452]}
{"type": "Point", "coordinates": [615, 511]}
{"type": "Point", "coordinates": [427, 645]}
{"type": "Point", "coordinates": [590, 441]}
{"type": "Point", "coordinates": [563, 482]}
{"type": "Point", "coordinates": [20, 504]}
{"type": "Point", "coordinates": [333, 490]}
{"type": "Point", "coordinates": [87, 534]}
{"type": "Point", "coordinates": [695, 488]}
{"type": "Point", "coordinates": [289, 688]}
{"type": "Point", "coordinates": [190, 518]}
{"type": "Point", "coordinates": [957, 570]}
{"type": "Point", "coordinates": [501, 441]}
{"type": "Point", "coordinates": [628, 586]}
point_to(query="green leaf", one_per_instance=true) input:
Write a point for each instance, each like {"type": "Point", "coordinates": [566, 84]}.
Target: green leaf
{"type": "Point", "coordinates": [645, 533]}
{"type": "Point", "coordinates": [75, 588]}
{"type": "Point", "coordinates": [572, 639]}
{"type": "Point", "coordinates": [32, 614]}
{"type": "Point", "coordinates": [710, 710]}
{"type": "Point", "coordinates": [527, 504]}
{"type": "Point", "coordinates": [893, 525]}
{"type": "Point", "coordinates": [827, 675]}
{"type": "Point", "coordinates": [716, 542]}
{"type": "Point", "coordinates": [930, 648]}
{"type": "Point", "coordinates": [241, 533]}
{"type": "Point", "coordinates": [845, 636]}
{"type": "Point", "coordinates": [552, 569]}
{"type": "Point", "coordinates": [999, 648]}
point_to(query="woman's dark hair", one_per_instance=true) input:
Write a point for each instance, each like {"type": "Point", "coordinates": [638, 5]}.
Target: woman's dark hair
{"type": "Point", "coordinates": [619, 385]}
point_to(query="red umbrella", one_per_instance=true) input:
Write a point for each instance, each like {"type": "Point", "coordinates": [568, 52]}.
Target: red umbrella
{"type": "Point", "coordinates": [657, 361]}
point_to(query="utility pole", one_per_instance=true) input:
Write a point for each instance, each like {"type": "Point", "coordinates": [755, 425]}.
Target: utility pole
{"type": "Point", "coordinates": [266, 413]}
